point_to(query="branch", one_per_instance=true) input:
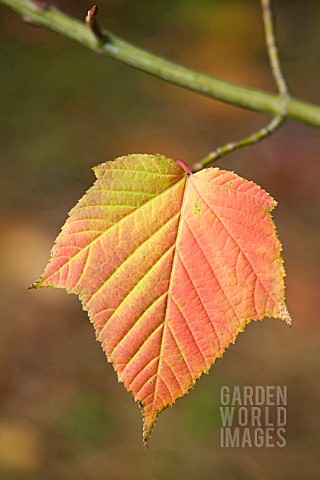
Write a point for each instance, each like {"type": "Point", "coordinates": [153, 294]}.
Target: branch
{"type": "Point", "coordinates": [252, 99]}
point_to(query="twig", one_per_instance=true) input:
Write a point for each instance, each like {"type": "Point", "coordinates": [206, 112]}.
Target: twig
{"type": "Point", "coordinates": [160, 67]}
{"type": "Point", "coordinates": [230, 147]}
{"type": "Point", "coordinates": [280, 118]}
{"type": "Point", "coordinates": [270, 36]}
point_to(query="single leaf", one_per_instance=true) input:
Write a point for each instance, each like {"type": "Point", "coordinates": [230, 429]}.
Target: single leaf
{"type": "Point", "coordinates": [171, 266]}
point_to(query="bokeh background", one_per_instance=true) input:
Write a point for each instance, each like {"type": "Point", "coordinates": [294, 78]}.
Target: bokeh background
{"type": "Point", "coordinates": [63, 110]}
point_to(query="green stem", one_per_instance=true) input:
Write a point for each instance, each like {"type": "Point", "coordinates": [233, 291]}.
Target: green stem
{"type": "Point", "coordinates": [255, 137]}
{"type": "Point", "coordinates": [249, 98]}
{"type": "Point", "coordinates": [270, 36]}
{"type": "Point", "coordinates": [278, 75]}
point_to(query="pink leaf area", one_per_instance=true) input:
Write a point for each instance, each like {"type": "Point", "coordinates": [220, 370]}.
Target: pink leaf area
{"type": "Point", "coordinates": [171, 266]}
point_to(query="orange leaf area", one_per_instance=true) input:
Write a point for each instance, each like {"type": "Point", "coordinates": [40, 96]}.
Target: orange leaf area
{"type": "Point", "coordinates": [171, 266]}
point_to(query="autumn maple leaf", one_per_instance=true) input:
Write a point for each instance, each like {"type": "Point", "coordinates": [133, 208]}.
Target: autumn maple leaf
{"type": "Point", "coordinates": [171, 266]}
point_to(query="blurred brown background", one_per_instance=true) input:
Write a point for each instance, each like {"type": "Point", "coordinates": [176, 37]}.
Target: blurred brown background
{"type": "Point", "coordinates": [63, 110]}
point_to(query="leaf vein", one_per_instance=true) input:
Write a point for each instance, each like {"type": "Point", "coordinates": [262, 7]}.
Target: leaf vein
{"type": "Point", "coordinates": [213, 272]}
{"type": "Point", "coordinates": [136, 321]}
{"type": "Point", "coordinates": [190, 330]}
{"type": "Point", "coordinates": [131, 255]}
{"type": "Point", "coordinates": [202, 303]}
{"type": "Point", "coordinates": [235, 241]}
{"type": "Point", "coordinates": [118, 222]}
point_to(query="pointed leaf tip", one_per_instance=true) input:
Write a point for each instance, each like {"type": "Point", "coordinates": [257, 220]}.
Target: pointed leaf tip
{"type": "Point", "coordinates": [285, 315]}
{"type": "Point", "coordinates": [170, 267]}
